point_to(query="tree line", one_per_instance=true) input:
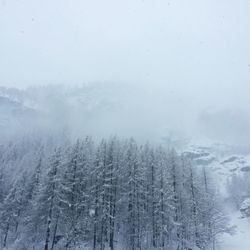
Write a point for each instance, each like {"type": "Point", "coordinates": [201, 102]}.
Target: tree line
{"type": "Point", "coordinates": [115, 194]}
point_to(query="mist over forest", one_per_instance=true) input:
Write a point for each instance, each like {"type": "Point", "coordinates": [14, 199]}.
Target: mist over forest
{"type": "Point", "coordinates": [124, 125]}
{"type": "Point", "coordinates": [122, 109]}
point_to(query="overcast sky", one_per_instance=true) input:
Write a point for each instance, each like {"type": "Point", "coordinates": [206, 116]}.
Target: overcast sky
{"type": "Point", "coordinates": [198, 48]}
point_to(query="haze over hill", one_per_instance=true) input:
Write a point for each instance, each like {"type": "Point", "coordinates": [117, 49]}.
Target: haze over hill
{"type": "Point", "coordinates": [183, 66]}
{"type": "Point", "coordinates": [125, 110]}
{"type": "Point", "coordinates": [124, 124]}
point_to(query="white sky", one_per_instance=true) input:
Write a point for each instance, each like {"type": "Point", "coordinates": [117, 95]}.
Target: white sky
{"type": "Point", "coordinates": [200, 48]}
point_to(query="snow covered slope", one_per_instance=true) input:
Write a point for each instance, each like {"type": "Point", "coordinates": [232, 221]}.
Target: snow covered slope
{"type": "Point", "coordinates": [15, 115]}
{"type": "Point", "coordinates": [54, 107]}
{"type": "Point", "coordinates": [241, 239]}
{"type": "Point", "coordinates": [225, 163]}
{"type": "Point", "coordinates": [105, 110]}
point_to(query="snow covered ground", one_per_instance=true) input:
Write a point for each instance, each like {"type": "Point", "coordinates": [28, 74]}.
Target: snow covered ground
{"type": "Point", "coordinates": [224, 163]}
{"type": "Point", "coordinates": [241, 239]}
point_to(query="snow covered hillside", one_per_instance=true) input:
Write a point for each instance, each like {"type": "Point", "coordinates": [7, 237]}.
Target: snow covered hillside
{"type": "Point", "coordinates": [79, 109]}
{"type": "Point", "coordinates": [241, 238]}
{"type": "Point", "coordinates": [230, 169]}
{"type": "Point", "coordinates": [76, 109]}
{"type": "Point", "coordinates": [59, 115]}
